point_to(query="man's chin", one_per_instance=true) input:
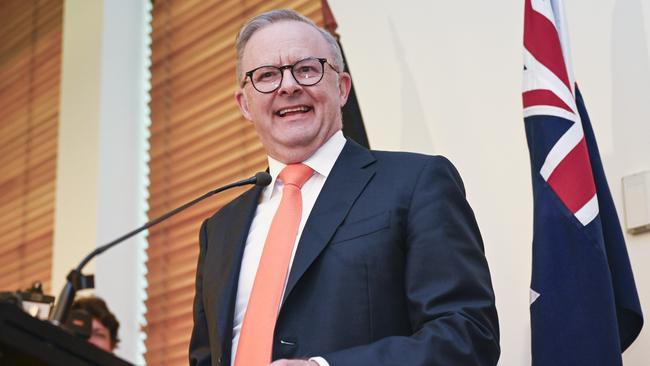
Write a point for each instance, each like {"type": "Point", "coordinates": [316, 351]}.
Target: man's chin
{"type": "Point", "coordinates": [298, 139]}
{"type": "Point", "coordinates": [295, 149]}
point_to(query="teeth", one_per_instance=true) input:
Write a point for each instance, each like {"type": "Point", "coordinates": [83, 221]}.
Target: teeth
{"type": "Point", "coordinates": [283, 112]}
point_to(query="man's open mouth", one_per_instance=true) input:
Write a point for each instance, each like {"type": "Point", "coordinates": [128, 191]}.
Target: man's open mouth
{"type": "Point", "coordinates": [293, 110]}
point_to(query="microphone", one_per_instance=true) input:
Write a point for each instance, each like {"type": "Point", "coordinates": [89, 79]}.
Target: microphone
{"type": "Point", "coordinates": [78, 281]}
{"type": "Point", "coordinates": [262, 179]}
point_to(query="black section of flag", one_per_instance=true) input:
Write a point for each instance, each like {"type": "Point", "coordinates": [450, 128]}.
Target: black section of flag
{"type": "Point", "coordinates": [352, 120]}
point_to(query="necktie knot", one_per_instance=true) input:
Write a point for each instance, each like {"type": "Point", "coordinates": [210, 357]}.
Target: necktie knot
{"type": "Point", "coordinates": [295, 174]}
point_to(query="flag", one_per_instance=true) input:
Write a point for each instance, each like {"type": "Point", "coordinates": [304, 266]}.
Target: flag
{"type": "Point", "coordinates": [352, 120]}
{"type": "Point", "coordinates": [584, 305]}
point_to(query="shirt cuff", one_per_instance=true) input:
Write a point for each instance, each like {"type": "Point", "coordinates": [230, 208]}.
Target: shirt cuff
{"type": "Point", "coordinates": [320, 361]}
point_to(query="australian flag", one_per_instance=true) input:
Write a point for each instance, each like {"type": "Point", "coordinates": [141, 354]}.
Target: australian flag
{"type": "Point", "coordinates": [584, 305]}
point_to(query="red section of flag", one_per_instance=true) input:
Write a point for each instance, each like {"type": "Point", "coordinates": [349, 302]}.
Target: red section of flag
{"type": "Point", "coordinates": [572, 180]}
{"type": "Point", "coordinates": [543, 97]}
{"type": "Point", "coordinates": [542, 41]}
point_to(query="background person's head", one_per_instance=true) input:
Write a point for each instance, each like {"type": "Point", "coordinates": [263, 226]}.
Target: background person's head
{"type": "Point", "coordinates": [294, 120]}
{"type": "Point", "coordinates": [104, 324]}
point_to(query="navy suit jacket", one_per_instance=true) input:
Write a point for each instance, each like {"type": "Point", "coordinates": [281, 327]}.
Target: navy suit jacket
{"type": "Point", "coordinates": [389, 270]}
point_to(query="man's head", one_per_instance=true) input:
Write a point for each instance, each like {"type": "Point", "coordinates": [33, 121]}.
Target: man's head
{"type": "Point", "coordinates": [293, 120]}
{"type": "Point", "coordinates": [104, 325]}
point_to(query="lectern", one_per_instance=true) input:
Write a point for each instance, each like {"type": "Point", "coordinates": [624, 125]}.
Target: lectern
{"type": "Point", "coordinates": [29, 341]}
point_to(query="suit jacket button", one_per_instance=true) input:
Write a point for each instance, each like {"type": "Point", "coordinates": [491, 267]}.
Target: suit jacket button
{"type": "Point", "coordinates": [287, 343]}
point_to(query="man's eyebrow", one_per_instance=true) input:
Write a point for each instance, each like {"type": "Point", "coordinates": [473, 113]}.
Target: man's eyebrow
{"type": "Point", "coordinates": [292, 61]}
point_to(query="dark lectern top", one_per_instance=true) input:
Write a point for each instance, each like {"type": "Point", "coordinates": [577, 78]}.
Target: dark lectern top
{"type": "Point", "coordinates": [29, 341]}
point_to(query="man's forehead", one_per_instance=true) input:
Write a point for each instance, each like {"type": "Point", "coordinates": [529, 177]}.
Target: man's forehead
{"type": "Point", "coordinates": [284, 42]}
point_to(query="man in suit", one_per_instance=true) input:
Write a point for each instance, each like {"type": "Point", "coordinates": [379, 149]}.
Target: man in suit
{"type": "Point", "coordinates": [385, 263]}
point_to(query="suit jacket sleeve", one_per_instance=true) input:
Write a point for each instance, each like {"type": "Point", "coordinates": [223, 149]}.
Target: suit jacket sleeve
{"type": "Point", "coordinates": [199, 350]}
{"type": "Point", "coordinates": [447, 282]}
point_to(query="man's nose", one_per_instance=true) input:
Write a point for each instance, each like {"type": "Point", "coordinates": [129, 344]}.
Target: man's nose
{"type": "Point", "coordinates": [288, 85]}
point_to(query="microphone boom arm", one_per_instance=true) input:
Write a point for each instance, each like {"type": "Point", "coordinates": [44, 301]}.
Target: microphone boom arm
{"type": "Point", "coordinates": [77, 281]}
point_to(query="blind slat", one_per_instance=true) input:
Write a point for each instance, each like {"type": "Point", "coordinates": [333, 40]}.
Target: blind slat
{"type": "Point", "coordinates": [30, 64]}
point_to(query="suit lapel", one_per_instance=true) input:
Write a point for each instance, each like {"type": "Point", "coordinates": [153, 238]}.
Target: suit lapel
{"type": "Point", "coordinates": [346, 181]}
{"type": "Point", "coordinates": [235, 231]}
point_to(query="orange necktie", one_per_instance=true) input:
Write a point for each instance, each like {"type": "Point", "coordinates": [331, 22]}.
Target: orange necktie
{"type": "Point", "coordinates": [256, 337]}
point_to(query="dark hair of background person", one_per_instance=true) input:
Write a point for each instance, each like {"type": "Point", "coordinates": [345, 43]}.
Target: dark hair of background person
{"type": "Point", "coordinates": [97, 308]}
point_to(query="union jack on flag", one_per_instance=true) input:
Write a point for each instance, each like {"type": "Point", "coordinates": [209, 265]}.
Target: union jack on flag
{"type": "Point", "coordinates": [584, 305]}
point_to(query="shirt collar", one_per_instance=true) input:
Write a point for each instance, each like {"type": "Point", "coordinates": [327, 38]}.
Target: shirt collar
{"type": "Point", "coordinates": [322, 161]}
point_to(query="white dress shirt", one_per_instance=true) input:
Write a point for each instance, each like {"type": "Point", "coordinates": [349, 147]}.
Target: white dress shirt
{"type": "Point", "coordinates": [321, 162]}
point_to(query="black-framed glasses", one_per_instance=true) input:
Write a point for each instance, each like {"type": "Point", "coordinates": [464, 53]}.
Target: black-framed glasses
{"type": "Point", "coordinates": [306, 72]}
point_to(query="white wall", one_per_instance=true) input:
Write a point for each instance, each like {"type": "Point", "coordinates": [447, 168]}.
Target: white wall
{"type": "Point", "coordinates": [122, 179]}
{"type": "Point", "coordinates": [444, 77]}
{"type": "Point", "coordinates": [75, 222]}
{"type": "Point", "coordinates": [101, 168]}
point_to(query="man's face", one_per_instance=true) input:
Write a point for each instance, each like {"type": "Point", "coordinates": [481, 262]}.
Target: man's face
{"type": "Point", "coordinates": [100, 336]}
{"type": "Point", "coordinates": [315, 110]}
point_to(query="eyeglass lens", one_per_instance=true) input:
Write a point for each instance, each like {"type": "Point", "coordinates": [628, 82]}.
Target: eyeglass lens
{"type": "Point", "coordinates": [306, 72]}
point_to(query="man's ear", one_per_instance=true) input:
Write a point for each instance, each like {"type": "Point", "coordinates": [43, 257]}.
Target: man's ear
{"type": "Point", "coordinates": [345, 84]}
{"type": "Point", "coordinates": [242, 102]}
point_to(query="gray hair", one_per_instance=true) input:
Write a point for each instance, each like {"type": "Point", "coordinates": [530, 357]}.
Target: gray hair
{"type": "Point", "coordinates": [277, 16]}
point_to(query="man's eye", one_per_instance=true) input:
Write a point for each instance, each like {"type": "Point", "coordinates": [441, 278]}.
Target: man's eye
{"type": "Point", "coordinates": [266, 75]}
{"type": "Point", "coordinates": [307, 70]}
{"type": "Point", "coordinates": [100, 335]}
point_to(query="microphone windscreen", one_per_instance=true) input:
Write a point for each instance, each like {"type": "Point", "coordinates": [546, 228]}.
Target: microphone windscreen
{"type": "Point", "coordinates": [262, 179]}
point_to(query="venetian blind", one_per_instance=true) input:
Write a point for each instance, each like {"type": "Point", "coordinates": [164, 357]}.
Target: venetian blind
{"type": "Point", "coordinates": [198, 142]}
{"type": "Point", "coordinates": [30, 64]}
